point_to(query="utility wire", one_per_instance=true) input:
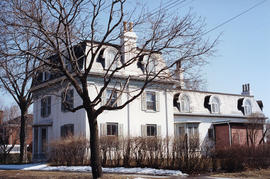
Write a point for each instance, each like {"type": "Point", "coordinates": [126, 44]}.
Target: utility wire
{"type": "Point", "coordinates": [234, 17]}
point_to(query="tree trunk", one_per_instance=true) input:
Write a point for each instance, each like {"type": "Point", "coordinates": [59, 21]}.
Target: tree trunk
{"type": "Point", "coordinates": [22, 135]}
{"type": "Point", "coordinates": [94, 146]}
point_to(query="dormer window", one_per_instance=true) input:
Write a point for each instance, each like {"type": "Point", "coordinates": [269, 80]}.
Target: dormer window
{"type": "Point", "coordinates": [215, 105]}
{"type": "Point", "coordinates": [184, 103]}
{"type": "Point", "coordinates": [111, 59]}
{"type": "Point", "coordinates": [247, 107]}
{"type": "Point", "coordinates": [151, 68]}
{"type": "Point", "coordinates": [45, 76]}
{"type": "Point", "coordinates": [147, 64]}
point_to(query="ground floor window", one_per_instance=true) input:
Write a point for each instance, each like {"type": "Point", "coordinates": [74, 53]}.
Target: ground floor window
{"type": "Point", "coordinates": [112, 129]}
{"type": "Point", "coordinates": [151, 130]}
{"type": "Point", "coordinates": [67, 130]}
{"type": "Point", "coordinates": [189, 134]}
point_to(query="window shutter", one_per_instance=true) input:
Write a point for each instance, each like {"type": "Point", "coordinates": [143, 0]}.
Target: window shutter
{"type": "Point", "coordinates": [103, 98]}
{"type": "Point", "coordinates": [120, 130]}
{"type": "Point", "coordinates": [49, 105]}
{"type": "Point", "coordinates": [143, 105]}
{"type": "Point", "coordinates": [103, 129]}
{"type": "Point", "coordinates": [157, 102]}
{"type": "Point", "coordinates": [42, 107]}
{"type": "Point", "coordinates": [144, 130]}
{"type": "Point", "coordinates": [158, 131]}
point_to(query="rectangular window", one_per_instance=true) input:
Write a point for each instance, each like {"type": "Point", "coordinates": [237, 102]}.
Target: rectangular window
{"type": "Point", "coordinates": [193, 135]}
{"type": "Point", "coordinates": [111, 97]}
{"type": "Point", "coordinates": [151, 101]}
{"type": "Point", "coordinates": [67, 100]}
{"type": "Point", "coordinates": [46, 106]}
{"type": "Point", "coordinates": [151, 130]}
{"type": "Point", "coordinates": [112, 129]}
{"type": "Point", "coordinates": [211, 133]}
{"type": "Point", "coordinates": [67, 130]}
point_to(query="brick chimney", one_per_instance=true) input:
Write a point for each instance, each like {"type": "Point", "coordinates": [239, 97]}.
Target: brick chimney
{"type": "Point", "coordinates": [246, 89]}
{"type": "Point", "coordinates": [179, 75]}
{"type": "Point", "coordinates": [128, 40]}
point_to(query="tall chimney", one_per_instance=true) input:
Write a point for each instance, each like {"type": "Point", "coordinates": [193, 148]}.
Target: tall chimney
{"type": "Point", "coordinates": [128, 41]}
{"type": "Point", "coordinates": [246, 89]}
{"type": "Point", "coordinates": [179, 74]}
{"type": "Point", "coordinates": [1, 117]}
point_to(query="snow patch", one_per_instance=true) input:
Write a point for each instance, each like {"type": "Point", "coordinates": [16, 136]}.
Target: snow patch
{"type": "Point", "coordinates": [122, 170]}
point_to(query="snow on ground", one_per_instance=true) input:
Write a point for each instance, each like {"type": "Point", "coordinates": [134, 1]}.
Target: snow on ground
{"type": "Point", "coordinates": [122, 170]}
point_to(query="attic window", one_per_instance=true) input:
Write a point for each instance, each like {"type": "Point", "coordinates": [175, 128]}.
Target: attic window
{"type": "Point", "coordinates": [112, 58]}
{"type": "Point", "coordinates": [184, 103]}
{"type": "Point", "coordinates": [215, 105]}
{"type": "Point", "coordinates": [147, 64]}
{"type": "Point", "coordinates": [247, 107]}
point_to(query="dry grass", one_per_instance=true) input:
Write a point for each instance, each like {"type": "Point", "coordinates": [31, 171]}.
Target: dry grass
{"type": "Point", "coordinates": [20, 174]}
{"type": "Point", "coordinates": [262, 173]}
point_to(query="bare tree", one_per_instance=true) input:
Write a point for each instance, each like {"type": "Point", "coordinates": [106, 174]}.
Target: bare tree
{"type": "Point", "coordinates": [8, 133]}
{"type": "Point", "coordinates": [255, 129]}
{"type": "Point", "coordinates": [16, 71]}
{"type": "Point", "coordinates": [70, 36]}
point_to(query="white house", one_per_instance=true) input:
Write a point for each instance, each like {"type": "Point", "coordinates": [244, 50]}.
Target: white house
{"type": "Point", "coordinates": [162, 110]}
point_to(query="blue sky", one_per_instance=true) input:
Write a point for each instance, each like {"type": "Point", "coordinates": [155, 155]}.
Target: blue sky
{"type": "Point", "coordinates": [242, 54]}
{"type": "Point", "coordinates": [243, 51]}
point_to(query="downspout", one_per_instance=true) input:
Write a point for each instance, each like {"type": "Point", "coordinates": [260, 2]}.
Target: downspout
{"type": "Point", "coordinates": [166, 113]}
{"type": "Point", "coordinates": [230, 134]}
{"type": "Point", "coordinates": [128, 113]}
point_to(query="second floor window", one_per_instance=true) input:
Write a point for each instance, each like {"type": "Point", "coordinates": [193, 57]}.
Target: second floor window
{"type": "Point", "coordinates": [67, 100]}
{"type": "Point", "coordinates": [151, 101]}
{"type": "Point", "coordinates": [45, 106]}
{"type": "Point", "coordinates": [111, 97]}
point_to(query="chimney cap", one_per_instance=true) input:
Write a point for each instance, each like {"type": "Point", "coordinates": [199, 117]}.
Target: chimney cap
{"type": "Point", "coordinates": [125, 25]}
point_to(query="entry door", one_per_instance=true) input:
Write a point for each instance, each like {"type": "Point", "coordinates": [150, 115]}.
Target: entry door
{"type": "Point", "coordinates": [43, 140]}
